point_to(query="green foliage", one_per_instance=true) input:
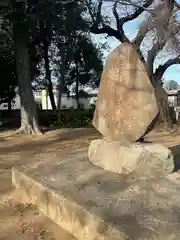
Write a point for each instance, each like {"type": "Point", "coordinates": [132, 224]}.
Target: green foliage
{"type": "Point", "coordinates": [69, 118]}
{"type": "Point", "coordinates": [8, 83]}
{"type": "Point", "coordinates": [7, 63]}
{"type": "Point", "coordinates": [58, 23]}
{"type": "Point", "coordinates": [84, 57]}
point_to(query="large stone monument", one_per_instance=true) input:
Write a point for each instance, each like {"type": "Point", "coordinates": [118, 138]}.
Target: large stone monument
{"type": "Point", "coordinates": [126, 109]}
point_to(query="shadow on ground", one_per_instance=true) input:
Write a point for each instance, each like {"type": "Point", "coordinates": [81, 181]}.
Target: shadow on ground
{"type": "Point", "coordinates": [18, 151]}
{"type": "Point", "coordinates": [40, 144]}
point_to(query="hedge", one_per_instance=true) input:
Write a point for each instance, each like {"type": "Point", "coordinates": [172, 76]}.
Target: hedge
{"type": "Point", "coordinates": [69, 117]}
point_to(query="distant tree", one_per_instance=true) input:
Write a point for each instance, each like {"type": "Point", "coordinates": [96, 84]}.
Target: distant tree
{"type": "Point", "coordinates": [17, 14]}
{"type": "Point", "coordinates": [87, 63]}
{"type": "Point", "coordinates": [80, 63]}
{"type": "Point", "coordinates": [171, 85]}
{"type": "Point", "coordinates": [83, 94]}
{"type": "Point", "coordinates": [9, 81]}
{"type": "Point", "coordinates": [7, 63]}
{"type": "Point", "coordinates": [33, 25]}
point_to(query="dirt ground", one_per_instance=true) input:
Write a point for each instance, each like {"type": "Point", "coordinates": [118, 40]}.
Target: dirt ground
{"type": "Point", "coordinates": [23, 221]}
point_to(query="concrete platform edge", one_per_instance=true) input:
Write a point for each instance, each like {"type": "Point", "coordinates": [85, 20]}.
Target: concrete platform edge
{"type": "Point", "coordinates": [69, 215]}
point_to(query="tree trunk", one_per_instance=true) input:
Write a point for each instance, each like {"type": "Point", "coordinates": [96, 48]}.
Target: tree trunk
{"type": "Point", "coordinates": [165, 117]}
{"type": "Point", "coordinates": [161, 95]}
{"type": "Point", "coordinates": [48, 75]}
{"type": "Point", "coordinates": [9, 99]}
{"type": "Point", "coordinates": [9, 105]}
{"type": "Point", "coordinates": [29, 117]}
{"type": "Point", "coordinates": [59, 105]}
{"type": "Point", "coordinates": [61, 83]}
{"type": "Point", "coordinates": [77, 85]}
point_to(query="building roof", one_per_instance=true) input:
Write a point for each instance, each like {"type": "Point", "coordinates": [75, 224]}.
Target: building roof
{"type": "Point", "coordinates": [173, 92]}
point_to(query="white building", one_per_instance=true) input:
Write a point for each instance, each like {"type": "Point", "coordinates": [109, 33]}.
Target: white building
{"type": "Point", "coordinates": [42, 99]}
{"type": "Point", "coordinates": [174, 101]}
{"type": "Point", "coordinates": [16, 104]}
{"type": "Point", "coordinates": [174, 97]}
{"type": "Point", "coordinates": [68, 101]}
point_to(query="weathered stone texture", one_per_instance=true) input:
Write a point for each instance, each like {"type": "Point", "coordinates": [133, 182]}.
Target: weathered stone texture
{"type": "Point", "coordinates": [126, 103]}
{"type": "Point", "coordinates": [145, 159]}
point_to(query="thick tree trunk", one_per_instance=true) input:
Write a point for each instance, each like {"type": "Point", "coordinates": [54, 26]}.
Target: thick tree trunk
{"type": "Point", "coordinates": [162, 97]}
{"type": "Point", "coordinates": [165, 116]}
{"type": "Point", "coordinates": [9, 105]}
{"type": "Point", "coordinates": [59, 104]}
{"type": "Point", "coordinates": [77, 86]}
{"type": "Point", "coordinates": [48, 75]}
{"type": "Point", "coordinates": [29, 117]}
{"type": "Point", "coordinates": [61, 83]}
{"type": "Point", "coordinates": [60, 93]}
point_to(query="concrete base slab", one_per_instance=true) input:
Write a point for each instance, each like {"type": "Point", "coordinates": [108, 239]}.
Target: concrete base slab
{"type": "Point", "coordinates": [93, 204]}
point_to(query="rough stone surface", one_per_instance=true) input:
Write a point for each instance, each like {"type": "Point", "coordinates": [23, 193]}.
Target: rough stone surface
{"type": "Point", "coordinates": [145, 158]}
{"type": "Point", "coordinates": [94, 204]}
{"type": "Point", "coordinates": [126, 103]}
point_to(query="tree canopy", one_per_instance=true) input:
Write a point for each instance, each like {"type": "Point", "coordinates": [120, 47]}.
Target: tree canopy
{"type": "Point", "coordinates": [157, 35]}
{"type": "Point", "coordinates": [29, 32]}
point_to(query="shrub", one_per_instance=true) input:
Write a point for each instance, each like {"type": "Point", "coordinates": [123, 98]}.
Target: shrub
{"type": "Point", "coordinates": [69, 117]}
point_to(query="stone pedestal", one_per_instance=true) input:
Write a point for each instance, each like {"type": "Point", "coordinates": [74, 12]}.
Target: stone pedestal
{"type": "Point", "coordinates": [144, 158]}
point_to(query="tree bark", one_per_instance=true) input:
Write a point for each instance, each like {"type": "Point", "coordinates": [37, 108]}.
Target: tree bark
{"type": "Point", "coordinates": [59, 101]}
{"type": "Point", "coordinates": [48, 75]}
{"type": "Point", "coordinates": [61, 83]}
{"type": "Point", "coordinates": [9, 99]}
{"type": "Point", "coordinates": [29, 116]}
{"type": "Point", "coordinates": [77, 85]}
{"type": "Point", "coordinates": [165, 115]}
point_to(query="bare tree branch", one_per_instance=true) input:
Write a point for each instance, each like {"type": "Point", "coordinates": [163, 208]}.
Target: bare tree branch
{"type": "Point", "coordinates": [88, 4]}
{"type": "Point", "coordinates": [116, 15]}
{"type": "Point", "coordinates": [119, 33]}
{"type": "Point", "coordinates": [161, 24]}
{"type": "Point", "coordinates": [159, 21]}
{"type": "Point", "coordinates": [162, 68]}
{"type": "Point", "coordinates": [131, 3]}
{"type": "Point", "coordinates": [143, 30]}
{"type": "Point", "coordinates": [119, 23]}
{"type": "Point", "coordinates": [99, 15]}
{"type": "Point", "coordinates": [106, 30]}
{"type": "Point", "coordinates": [95, 15]}
{"type": "Point", "coordinates": [97, 20]}
{"type": "Point", "coordinates": [139, 10]}
{"type": "Point", "coordinates": [177, 5]}
{"type": "Point", "coordinates": [152, 53]}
